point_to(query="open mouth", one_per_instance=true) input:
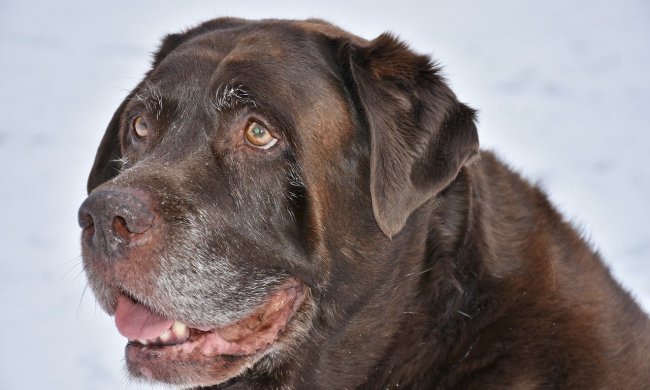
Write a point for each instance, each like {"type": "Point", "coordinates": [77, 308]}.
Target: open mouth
{"type": "Point", "coordinates": [167, 350]}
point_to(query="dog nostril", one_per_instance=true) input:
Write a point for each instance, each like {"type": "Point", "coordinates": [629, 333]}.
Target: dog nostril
{"type": "Point", "coordinates": [112, 220]}
{"type": "Point", "coordinates": [86, 223]}
{"type": "Point", "coordinates": [84, 219]}
{"type": "Point", "coordinates": [120, 227]}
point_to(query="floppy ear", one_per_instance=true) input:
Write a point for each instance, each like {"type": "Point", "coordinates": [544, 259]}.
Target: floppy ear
{"type": "Point", "coordinates": [420, 135]}
{"type": "Point", "coordinates": [107, 165]}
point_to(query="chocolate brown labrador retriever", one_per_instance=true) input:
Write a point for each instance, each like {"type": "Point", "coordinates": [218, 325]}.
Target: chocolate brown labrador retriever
{"type": "Point", "coordinates": [284, 205]}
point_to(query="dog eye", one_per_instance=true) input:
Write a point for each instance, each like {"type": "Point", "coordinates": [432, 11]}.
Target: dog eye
{"type": "Point", "coordinates": [258, 136]}
{"type": "Point", "coordinates": [140, 126]}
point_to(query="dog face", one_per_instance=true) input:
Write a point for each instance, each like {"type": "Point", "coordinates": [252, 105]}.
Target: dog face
{"type": "Point", "coordinates": [247, 193]}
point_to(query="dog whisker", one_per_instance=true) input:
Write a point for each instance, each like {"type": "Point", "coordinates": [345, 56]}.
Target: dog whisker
{"type": "Point", "coordinates": [77, 262]}
{"type": "Point", "coordinates": [83, 293]}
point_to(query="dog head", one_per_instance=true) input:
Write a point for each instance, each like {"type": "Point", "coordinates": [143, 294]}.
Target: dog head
{"type": "Point", "coordinates": [257, 178]}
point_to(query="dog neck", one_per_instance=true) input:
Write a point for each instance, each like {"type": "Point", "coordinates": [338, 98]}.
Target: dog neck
{"type": "Point", "coordinates": [467, 263]}
{"type": "Point", "coordinates": [460, 271]}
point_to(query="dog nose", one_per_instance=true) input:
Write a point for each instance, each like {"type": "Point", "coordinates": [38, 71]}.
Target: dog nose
{"type": "Point", "coordinates": [112, 220]}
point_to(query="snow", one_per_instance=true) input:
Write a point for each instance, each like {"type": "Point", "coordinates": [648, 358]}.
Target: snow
{"type": "Point", "coordinates": [562, 89]}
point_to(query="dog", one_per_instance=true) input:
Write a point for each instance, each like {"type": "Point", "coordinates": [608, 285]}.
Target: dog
{"type": "Point", "coordinates": [285, 205]}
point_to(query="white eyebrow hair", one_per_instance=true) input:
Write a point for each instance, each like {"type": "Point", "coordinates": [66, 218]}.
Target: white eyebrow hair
{"type": "Point", "coordinates": [150, 96]}
{"type": "Point", "coordinates": [228, 96]}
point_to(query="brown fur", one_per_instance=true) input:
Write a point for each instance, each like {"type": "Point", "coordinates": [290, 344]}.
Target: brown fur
{"type": "Point", "coordinates": [428, 265]}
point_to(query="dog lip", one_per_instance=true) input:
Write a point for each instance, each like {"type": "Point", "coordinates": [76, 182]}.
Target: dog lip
{"type": "Point", "coordinates": [239, 344]}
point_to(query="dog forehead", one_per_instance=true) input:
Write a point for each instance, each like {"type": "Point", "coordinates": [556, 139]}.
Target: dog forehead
{"type": "Point", "coordinates": [281, 40]}
{"type": "Point", "coordinates": [261, 56]}
{"type": "Point", "coordinates": [280, 64]}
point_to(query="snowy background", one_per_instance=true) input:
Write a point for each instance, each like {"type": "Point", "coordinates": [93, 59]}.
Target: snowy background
{"type": "Point", "coordinates": [562, 87]}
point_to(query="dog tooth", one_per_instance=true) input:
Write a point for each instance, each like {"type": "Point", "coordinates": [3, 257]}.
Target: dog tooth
{"type": "Point", "coordinates": [180, 330]}
{"type": "Point", "coordinates": [142, 341]}
{"type": "Point", "coordinates": [166, 336]}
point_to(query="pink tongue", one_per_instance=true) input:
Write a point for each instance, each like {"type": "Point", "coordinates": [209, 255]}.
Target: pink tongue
{"type": "Point", "coordinates": [135, 321]}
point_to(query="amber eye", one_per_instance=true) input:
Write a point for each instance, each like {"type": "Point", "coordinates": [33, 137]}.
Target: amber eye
{"type": "Point", "coordinates": [140, 127]}
{"type": "Point", "coordinates": [258, 136]}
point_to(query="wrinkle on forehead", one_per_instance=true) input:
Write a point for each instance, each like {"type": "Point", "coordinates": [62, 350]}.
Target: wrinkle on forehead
{"type": "Point", "coordinates": [257, 45]}
{"type": "Point", "coordinates": [327, 124]}
{"type": "Point", "coordinates": [223, 69]}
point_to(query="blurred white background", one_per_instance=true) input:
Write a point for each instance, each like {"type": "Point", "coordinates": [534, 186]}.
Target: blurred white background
{"type": "Point", "coordinates": [562, 88]}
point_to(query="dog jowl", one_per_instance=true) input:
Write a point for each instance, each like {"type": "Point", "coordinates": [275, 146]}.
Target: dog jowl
{"type": "Point", "coordinates": [282, 204]}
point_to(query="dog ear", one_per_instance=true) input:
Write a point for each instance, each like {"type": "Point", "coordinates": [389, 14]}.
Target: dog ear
{"type": "Point", "coordinates": [420, 135]}
{"type": "Point", "coordinates": [107, 165]}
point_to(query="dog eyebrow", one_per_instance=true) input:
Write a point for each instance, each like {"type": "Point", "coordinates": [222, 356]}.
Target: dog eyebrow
{"type": "Point", "coordinates": [229, 96]}
{"type": "Point", "coordinates": [151, 97]}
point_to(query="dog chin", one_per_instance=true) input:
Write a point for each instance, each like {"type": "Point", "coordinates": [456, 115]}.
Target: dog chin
{"type": "Point", "coordinates": [170, 351]}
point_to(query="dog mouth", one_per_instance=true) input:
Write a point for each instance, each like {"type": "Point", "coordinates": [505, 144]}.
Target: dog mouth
{"type": "Point", "coordinates": [171, 351]}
